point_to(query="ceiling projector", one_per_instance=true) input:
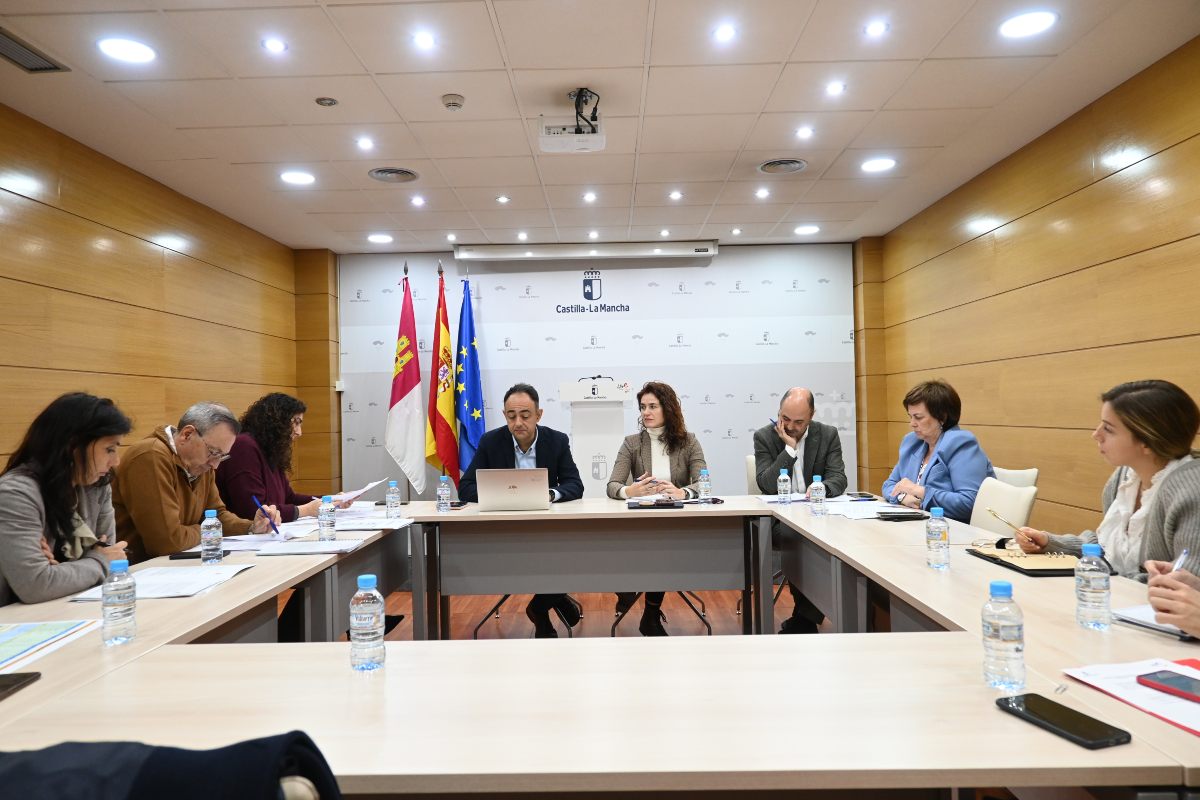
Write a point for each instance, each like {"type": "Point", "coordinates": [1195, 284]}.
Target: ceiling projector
{"type": "Point", "coordinates": [584, 134]}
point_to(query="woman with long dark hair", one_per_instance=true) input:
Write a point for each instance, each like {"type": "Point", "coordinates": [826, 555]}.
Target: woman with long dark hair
{"type": "Point", "coordinates": [56, 514]}
{"type": "Point", "coordinates": [261, 459]}
{"type": "Point", "coordinates": [666, 460]}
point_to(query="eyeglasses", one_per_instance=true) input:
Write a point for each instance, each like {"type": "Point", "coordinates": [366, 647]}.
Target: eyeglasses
{"type": "Point", "coordinates": [214, 454]}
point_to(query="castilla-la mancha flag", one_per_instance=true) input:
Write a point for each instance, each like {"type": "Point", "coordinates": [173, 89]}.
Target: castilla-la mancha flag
{"type": "Point", "coordinates": [441, 438]}
{"type": "Point", "coordinates": [406, 420]}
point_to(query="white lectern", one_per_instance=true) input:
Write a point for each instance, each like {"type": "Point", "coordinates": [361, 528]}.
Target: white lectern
{"type": "Point", "coordinates": [597, 427]}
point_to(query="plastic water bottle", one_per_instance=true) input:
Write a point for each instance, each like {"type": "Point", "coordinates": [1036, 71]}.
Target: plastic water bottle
{"type": "Point", "coordinates": [326, 524]}
{"type": "Point", "coordinates": [392, 497]}
{"type": "Point", "coordinates": [366, 626]}
{"type": "Point", "coordinates": [937, 539]}
{"type": "Point", "coordinates": [1092, 591]}
{"type": "Point", "coordinates": [211, 535]}
{"type": "Point", "coordinates": [783, 488]}
{"type": "Point", "coordinates": [816, 497]}
{"type": "Point", "coordinates": [1003, 639]}
{"type": "Point", "coordinates": [443, 495]}
{"type": "Point", "coordinates": [118, 596]}
{"type": "Point", "coordinates": [705, 488]}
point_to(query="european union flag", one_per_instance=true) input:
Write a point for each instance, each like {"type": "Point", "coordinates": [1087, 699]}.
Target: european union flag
{"type": "Point", "coordinates": [468, 387]}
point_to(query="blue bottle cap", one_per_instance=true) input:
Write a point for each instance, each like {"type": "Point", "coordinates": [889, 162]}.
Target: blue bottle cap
{"type": "Point", "coordinates": [1092, 549]}
{"type": "Point", "coordinates": [816, 478]}
{"type": "Point", "coordinates": [1000, 589]}
{"type": "Point", "coordinates": [327, 498]}
{"type": "Point", "coordinates": [210, 513]}
{"type": "Point", "coordinates": [118, 565]}
{"type": "Point", "coordinates": [366, 582]}
{"type": "Point", "coordinates": [444, 479]}
{"type": "Point", "coordinates": [703, 472]}
{"type": "Point", "coordinates": [783, 470]}
{"type": "Point", "coordinates": [937, 512]}
{"type": "Point", "coordinates": [391, 484]}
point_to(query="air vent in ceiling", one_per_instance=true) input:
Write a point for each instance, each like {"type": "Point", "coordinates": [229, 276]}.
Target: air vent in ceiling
{"type": "Point", "coordinates": [25, 57]}
{"type": "Point", "coordinates": [782, 166]}
{"type": "Point", "coordinates": [393, 175]}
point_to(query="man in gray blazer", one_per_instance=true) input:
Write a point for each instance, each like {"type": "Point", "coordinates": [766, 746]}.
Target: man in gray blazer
{"type": "Point", "coordinates": [804, 448]}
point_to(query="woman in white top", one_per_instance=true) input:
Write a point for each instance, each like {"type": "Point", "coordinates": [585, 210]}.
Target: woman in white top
{"type": "Point", "coordinates": [1152, 501]}
{"type": "Point", "coordinates": [666, 460]}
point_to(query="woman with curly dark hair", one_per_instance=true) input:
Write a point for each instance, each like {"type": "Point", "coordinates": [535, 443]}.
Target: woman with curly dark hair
{"type": "Point", "coordinates": [666, 460]}
{"type": "Point", "coordinates": [57, 534]}
{"type": "Point", "coordinates": [261, 459]}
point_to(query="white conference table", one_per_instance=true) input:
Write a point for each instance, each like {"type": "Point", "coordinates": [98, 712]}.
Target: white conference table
{"type": "Point", "coordinates": [589, 545]}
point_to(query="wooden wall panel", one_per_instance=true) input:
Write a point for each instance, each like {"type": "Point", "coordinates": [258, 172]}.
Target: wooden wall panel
{"type": "Point", "coordinates": [318, 453]}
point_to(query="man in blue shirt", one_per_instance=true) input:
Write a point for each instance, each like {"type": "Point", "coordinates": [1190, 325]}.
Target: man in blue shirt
{"type": "Point", "coordinates": [524, 444]}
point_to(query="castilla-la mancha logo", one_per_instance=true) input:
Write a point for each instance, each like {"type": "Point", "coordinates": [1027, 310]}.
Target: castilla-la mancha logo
{"type": "Point", "coordinates": [591, 284]}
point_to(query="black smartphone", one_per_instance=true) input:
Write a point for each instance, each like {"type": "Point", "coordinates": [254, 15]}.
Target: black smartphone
{"type": "Point", "coordinates": [1174, 683]}
{"type": "Point", "coordinates": [860, 495]}
{"type": "Point", "coordinates": [193, 554]}
{"type": "Point", "coordinates": [458, 503]}
{"type": "Point", "coordinates": [1068, 723]}
{"type": "Point", "coordinates": [15, 681]}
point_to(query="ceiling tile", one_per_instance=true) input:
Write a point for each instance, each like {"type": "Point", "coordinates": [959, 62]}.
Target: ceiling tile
{"type": "Point", "coordinates": [743, 192]}
{"type": "Point", "coordinates": [977, 33]}
{"type": "Point", "coordinates": [908, 160]}
{"type": "Point", "coordinates": [544, 91]}
{"type": "Point", "coordinates": [418, 95]}
{"type": "Point", "coordinates": [72, 39]}
{"type": "Point", "coordinates": [917, 128]}
{"type": "Point", "coordinates": [850, 191]}
{"type": "Point", "coordinates": [399, 200]}
{"type": "Point", "coordinates": [695, 166]}
{"type": "Point", "coordinates": [553, 34]}
{"type": "Point", "coordinates": [591, 217]}
{"type": "Point", "coordinates": [831, 130]}
{"type": "Point", "coordinates": [869, 84]}
{"type": "Point", "coordinates": [484, 199]}
{"type": "Point", "coordinates": [694, 194]}
{"type": "Point", "coordinates": [965, 82]}
{"type": "Point", "coordinates": [434, 220]}
{"type": "Point", "coordinates": [501, 172]}
{"type": "Point", "coordinates": [437, 238]}
{"type": "Point", "coordinates": [589, 168]}
{"type": "Point", "coordinates": [653, 233]}
{"type": "Point", "coordinates": [610, 234]}
{"type": "Point", "coordinates": [740, 88]}
{"type": "Point", "coordinates": [382, 36]}
{"type": "Point", "coordinates": [513, 218]}
{"type": "Point", "coordinates": [271, 143]}
{"type": "Point", "coordinates": [835, 30]}
{"type": "Point", "coordinates": [723, 231]}
{"type": "Point", "coordinates": [472, 138]}
{"type": "Point", "coordinates": [739, 214]}
{"type": "Point", "coordinates": [340, 142]}
{"type": "Point", "coordinates": [199, 104]}
{"type": "Point", "coordinates": [765, 30]}
{"type": "Point", "coordinates": [819, 212]}
{"type": "Point", "coordinates": [696, 133]}
{"type": "Point", "coordinates": [338, 201]}
{"type": "Point", "coordinates": [235, 37]}
{"type": "Point", "coordinates": [294, 99]}
{"type": "Point", "coordinates": [610, 195]}
{"type": "Point", "coordinates": [266, 176]}
{"type": "Point", "coordinates": [346, 222]}
{"type": "Point", "coordinates": [509, 235]}
{"type": "Point", "coordinates": [670, 215]}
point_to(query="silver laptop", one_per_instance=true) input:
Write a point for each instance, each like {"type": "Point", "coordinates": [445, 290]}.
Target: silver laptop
{"type": "Point", "coordinates": [513, 489]}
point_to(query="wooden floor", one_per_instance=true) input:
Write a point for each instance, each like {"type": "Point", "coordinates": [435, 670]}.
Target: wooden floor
{"type": "Point", "coordinates": [598, 615]}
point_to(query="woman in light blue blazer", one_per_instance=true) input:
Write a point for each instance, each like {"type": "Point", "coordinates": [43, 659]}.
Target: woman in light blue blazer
{"type": "Point", "coordinates": [940, 464]}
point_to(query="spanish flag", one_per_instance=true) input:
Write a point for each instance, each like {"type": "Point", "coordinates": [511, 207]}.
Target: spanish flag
{"type": "Point", "coordinates": [406, 420]}
{"type": "Point", "coordinates": [441, 438]}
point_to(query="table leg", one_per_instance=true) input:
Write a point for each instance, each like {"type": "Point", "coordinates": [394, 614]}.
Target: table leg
{"type": "Point", "coordinates": [319, 594]}
{"type": "Point", "coordinates": [748, 537]}
{"type": "Point", "coordinates": [764, 590]}
{"type": "Point", "coordinates": [416, 538]}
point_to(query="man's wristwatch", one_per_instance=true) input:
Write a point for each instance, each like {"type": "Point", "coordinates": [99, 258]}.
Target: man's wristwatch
{"type": "Point", "coordinates": [900, 497]}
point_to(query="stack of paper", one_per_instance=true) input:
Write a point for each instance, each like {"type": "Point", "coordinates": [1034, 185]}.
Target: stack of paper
{"type": "Point", "coordinates": [1120, 681]}
{"type": "Point", "coordinates": [25, 642]}
{"type": "Point", "coordinates": [157, 582]}
{"type": "Point", "coordinates": [379, 523]}
{"type": "Point", "coordinates": [310, 548]}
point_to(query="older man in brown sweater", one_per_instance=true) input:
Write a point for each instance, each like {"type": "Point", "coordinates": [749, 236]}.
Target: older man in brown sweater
{"type": "Point", "coordinates": [166, 482]}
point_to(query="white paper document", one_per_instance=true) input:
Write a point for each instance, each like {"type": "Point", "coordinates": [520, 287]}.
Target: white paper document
{"type": "Point", "coordinates": [310, 548]}
{"type": "Point", "coordinates": [1143, 617]}
{"type": "Point", "coordinates": [379, 523]}
{"type": "Point", "coordinates": [797, 497]}
{"type": "Point", "coordinates": [863, 510]}
{"type": "Point", "coordinates": [1120, 680]}
{"type": "Point", "coordinates": [22, 643]}
{"type": "Point", "coordinates": [158, 582]}
{"type": "Point", "coordinates": [352, 495]}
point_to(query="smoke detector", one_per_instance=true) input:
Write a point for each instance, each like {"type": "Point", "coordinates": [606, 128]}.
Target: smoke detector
{"type": "Point", "coordinates": [453, 102]}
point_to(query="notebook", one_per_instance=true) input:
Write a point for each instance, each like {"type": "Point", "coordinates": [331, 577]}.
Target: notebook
{"type": "Point", "coordinates": [1037, 565]}
{"type": "Point", "coordinates": [1143, 617]}
{"type": "Point", "coordinates": [513, 489]}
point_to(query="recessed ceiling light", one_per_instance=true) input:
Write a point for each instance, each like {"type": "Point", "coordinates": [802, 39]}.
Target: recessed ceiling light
{"type": "Point", "coordinates": [522, 235]}
{"type": "Point", "coordinates": [835, 88]}
{"type": "Point", "coordinates": [804, 132]}
{"type": "Point", "coordinates": [664, 232]}
{"type": "Point", "coordinates": [127, 50]}
{"type": "Point", "coordinates": [676, 195]}
{"type": "Point", "coordinates": [273, 45]}
{"type": "Point", "coordinates": [528, 252]}
{"type": "Point", "coordinates": [878, 164]}
{"type": "Point", "coordinates": [806, 230]}
{"type": "Point", "coordinates": [876, 28]}
{"type": "Point", "coordinates": [379, 238]}
{"type": "Point", "coordinates": [736, 231]}
{"type": "Point", "coordinates": [763, 193]}
{"type": "Point", "coordinates": [589, 197]}
{"type": "Point", "coordinates": [296, 178]}
{"type": "Point", "coordinates": [1122, 158]}
{"type": "Point", "coordinates": [450, 237]}
{"type": "Point", "coordinates": [417, 201]}
{"type": "Point", "coordinates": [424, 40]}
{"type": "Point", "coordinates": [1030, 24]}
{"type": "Point", "coordinates": [593, 234]}
{"type": "Point", "coordinates": [502, 199]}
{"type": "Point", "coordinates": [724, 33]}
{"type": "Point", "coordinates": [591, 252]}
{"type": "Point", "coordinates": [658, 249]}
{"type": "Point", "coordinates": [365, 143]}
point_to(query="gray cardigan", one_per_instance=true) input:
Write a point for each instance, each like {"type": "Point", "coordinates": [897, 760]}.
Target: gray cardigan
{"type": "Point", "coordinates": [25, 573]}
{"type": "Point", "coordinates": [635, 457]}
{"type": "Point", "coordinates": [1172, 521]}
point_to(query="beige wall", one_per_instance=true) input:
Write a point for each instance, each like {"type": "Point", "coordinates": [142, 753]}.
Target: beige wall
{"type": "Point", "coordinates": [89, 301]}
{"type": "Point", "coordinates": [1091, 278]}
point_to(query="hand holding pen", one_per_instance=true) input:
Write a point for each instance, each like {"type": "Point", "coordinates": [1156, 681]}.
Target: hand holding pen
{"type": "Point", "coordinates": [269, 513]}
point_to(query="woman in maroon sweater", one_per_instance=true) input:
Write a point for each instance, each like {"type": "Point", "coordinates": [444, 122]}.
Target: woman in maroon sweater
{"type": "Point", "coordinates": [261, 458]}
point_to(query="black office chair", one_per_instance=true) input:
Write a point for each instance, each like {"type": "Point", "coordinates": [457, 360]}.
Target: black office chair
{"type": "Point", "coordinates": [701, 613]}
{"type": "Point", "coordinates": [495, 612]}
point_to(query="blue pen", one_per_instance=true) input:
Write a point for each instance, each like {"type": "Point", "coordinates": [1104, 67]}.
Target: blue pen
{"type": "Point", "coordinates": [1178, 565]}
{"type": "Point", "coordinates": [268, 516]}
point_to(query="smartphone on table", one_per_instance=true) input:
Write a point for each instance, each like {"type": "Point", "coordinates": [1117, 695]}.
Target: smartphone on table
{"type": "Point", "coordinates": [15, 681]}
{"type": "Point", "coordinates": [1172, 683]}
{"type": "Point", "coordinates": [1066, 722]}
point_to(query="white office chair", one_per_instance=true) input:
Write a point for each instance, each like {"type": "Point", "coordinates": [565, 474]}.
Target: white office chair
{"type": "Point", "coordinates": [1017, 477]}
{"type": "Point", "coordinates": [1014, 503]}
